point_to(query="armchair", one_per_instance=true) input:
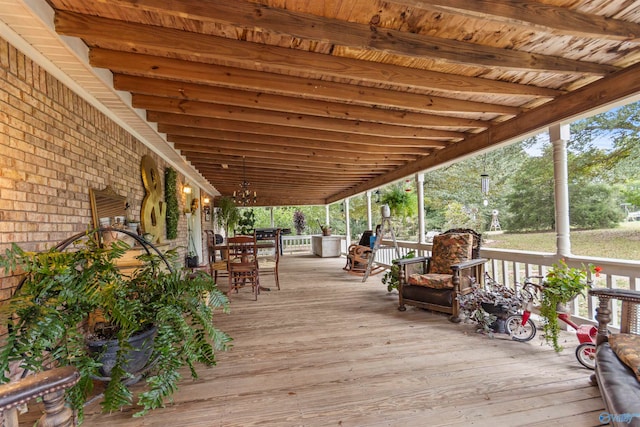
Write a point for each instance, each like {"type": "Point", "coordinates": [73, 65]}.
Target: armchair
{"type": "Point", "coordinates": [435, 282]}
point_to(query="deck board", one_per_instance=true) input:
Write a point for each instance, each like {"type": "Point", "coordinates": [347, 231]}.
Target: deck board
{"type": "Point", "coordinates": [328, 350]}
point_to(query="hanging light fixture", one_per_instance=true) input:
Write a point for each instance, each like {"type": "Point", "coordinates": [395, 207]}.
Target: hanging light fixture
{"type": "Point", "coordinates": [244, 197]}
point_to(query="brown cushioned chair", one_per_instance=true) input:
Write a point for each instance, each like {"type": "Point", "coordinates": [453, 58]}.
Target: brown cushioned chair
{"type": "Point", "coordinates": [435, 282]}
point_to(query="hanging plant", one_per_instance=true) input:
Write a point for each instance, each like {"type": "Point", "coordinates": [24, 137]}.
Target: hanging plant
{"type": "Point", "coordinates": [299, 221]}
{"type": "Point", "coordinates": [171, 198]}
{"type": "Point", "coordinates": [561, 284]}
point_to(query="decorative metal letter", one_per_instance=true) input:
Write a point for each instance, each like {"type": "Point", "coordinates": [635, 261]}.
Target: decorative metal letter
{"type": "Point", "coordinates": [153, 208]}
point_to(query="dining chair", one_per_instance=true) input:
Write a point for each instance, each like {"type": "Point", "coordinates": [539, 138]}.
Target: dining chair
{"type": "Point", "coordinates": [217, 256]}
{"type": "Point", "coordinates": [242, 264]}
{"type": "Point", "coordinates": [269, 258]}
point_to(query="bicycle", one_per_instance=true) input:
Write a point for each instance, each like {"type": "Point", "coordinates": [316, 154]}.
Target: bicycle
{"type": "Point", "coordinates": [521, 328]}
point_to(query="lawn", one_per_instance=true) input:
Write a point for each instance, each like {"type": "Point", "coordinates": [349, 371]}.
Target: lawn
{"type": "Point", "coordinates": [622, 242]}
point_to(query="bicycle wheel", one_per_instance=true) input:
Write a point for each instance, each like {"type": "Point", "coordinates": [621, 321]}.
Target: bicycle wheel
{"type": "Point", "coordinates": [518, 331]}
{"type": "Point", "coordinates": [586, 355]}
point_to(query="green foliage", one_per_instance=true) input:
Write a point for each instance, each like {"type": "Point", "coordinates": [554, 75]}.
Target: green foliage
{"type": "Point", "coordinates": [247, 221]}
{"type": "Point", "coordinates": [493, 294]}
{"type": "Point", "coordinates": [171, 199]}
{"type": "Point", "coordinates": [227, 215]}
{"type": "Point", "coordinates": [530, 204]}
{"type": "Point", "coordinates": [63, 290]}
{"type": "Point", "coordinates": [593, 206]}
{"type": "Point", "coordinates": [561, 284]}
{"type": "Point", "coordinates": [391, 277]}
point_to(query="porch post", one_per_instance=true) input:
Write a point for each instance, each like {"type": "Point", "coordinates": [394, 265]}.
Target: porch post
{"type": "Point", "coordinates": [369, 219]}
{"type": "Point", "coordinates": [326, 215]}
{"type": "Point", "coordinates": [420, 187]}
{"type": "Point", "coordinates": [559, 135]}
{"type": "Point", "coordinates": [347, 222]}
{"type": "Point", "coordinates": [271, 216]}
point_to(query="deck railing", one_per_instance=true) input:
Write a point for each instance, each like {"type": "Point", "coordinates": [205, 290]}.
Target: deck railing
{"type": "Point", "coordinates": [511, 267]}
{"type": "Point", "coordinates": [296, 243]}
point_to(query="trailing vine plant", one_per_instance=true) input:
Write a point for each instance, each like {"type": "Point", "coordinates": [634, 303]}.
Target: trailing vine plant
{"type": "Point", "coordinates": [561, 284]}
{"type": "Point", "coordinates": [171, 198]}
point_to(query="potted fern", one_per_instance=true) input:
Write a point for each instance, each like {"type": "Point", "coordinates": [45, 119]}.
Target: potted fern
{"type": "Point", "coordinates": [71, 296]}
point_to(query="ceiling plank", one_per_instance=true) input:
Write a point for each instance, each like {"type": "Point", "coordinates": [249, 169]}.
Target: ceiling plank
{"type": "Point", "coordinates": [361, 36]}
{"type": "Point", "coordinates": [547, 17]}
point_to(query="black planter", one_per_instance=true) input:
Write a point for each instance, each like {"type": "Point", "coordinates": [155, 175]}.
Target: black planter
{"type": "Point", "coordinates": [137, 358]}
{"type": "Point", "coordinates": [496, 310]}
{"type": "Point", "coordinates": [499, 325]}
{"type": "Point", "coordinates": [192, 261]}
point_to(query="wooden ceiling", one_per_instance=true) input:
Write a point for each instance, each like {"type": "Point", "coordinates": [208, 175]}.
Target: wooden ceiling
{"type": "Point", "coordinates": [325, 99]}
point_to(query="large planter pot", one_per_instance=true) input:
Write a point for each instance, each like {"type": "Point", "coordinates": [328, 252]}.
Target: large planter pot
{"type": "Point", "coordinates": [137, 358]}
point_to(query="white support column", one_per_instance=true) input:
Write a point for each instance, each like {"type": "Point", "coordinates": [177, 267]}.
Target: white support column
{"type": "Point", "coordinates": [369, 217]}
{"type": "Point", "coordinates": [420, 187]}
{"type": "Point", "coordinates": [347, 222]}
{"type": "Point", "coordinates": [326, 215]}
{"type": "Point", "coordinates": [559, 135]}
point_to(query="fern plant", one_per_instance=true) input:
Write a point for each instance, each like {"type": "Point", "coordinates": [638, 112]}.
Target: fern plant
{"type": "Point", "coordinates": [50, 315]}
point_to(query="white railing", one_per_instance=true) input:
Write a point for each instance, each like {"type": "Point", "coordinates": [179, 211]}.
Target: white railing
{"type": "Point", "coordinates": [511, 267]}
{"type": "Point", "coordinates": [296, 243]}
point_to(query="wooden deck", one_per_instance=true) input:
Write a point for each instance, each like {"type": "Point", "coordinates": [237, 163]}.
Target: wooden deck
{"type": "Point", "coordinates": [329, 350]}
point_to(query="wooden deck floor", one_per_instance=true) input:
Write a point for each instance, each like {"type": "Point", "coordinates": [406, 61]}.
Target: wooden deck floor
{"type": "Point", "coordinates": [329, 350]}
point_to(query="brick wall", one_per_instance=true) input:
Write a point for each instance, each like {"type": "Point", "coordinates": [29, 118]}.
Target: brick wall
{"type": "Point", "coordinates": [54, 146]}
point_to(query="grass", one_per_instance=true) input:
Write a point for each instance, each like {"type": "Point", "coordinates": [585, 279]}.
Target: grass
{"type": "Point", "coordinates": [622, 242]}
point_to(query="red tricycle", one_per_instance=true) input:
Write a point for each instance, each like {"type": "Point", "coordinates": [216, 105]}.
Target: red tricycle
{"type": "Point", "coordinates": [521, 328]}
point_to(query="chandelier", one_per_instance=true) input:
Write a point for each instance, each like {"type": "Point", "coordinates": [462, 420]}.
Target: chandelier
{"type": "Point", "coordinates": [244, 197]}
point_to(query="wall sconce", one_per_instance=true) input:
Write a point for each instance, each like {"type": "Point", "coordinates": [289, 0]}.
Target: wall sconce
{"type": "Point", "coordinates": [186, 189]}
{"type": "Point", "coordinates": [206, 200]}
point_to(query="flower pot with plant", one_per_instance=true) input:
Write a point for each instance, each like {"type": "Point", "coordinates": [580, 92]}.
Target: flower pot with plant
{"type": "Point", "coordinates": [488, 305]}
{"type": "Point", "coordinates": [68, 297]}
{"type": "Point", "coordinates": [560, 286]}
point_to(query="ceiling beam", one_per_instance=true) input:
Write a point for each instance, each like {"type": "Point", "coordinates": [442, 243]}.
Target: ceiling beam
{"type": "Point", "coordinates": [167, 121]}
{"type": "Point", "coordinates": [253, 115]}
{"type": "Point", "coordinates": [265, 101]}
{"type": "Point", "coordinates": [348, 34]}
{"type": "Point", "coordinates": [240, 138]}
{"type": "Point", "coordinates": [384, 99]}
